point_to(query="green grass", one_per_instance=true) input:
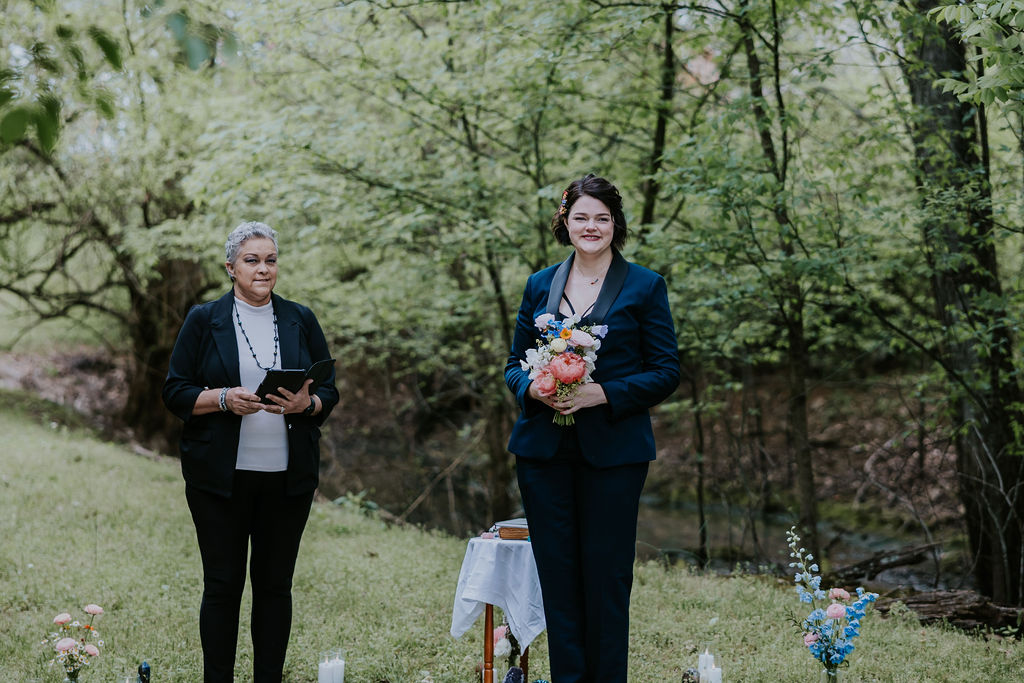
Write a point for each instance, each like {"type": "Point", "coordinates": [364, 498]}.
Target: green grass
{"type": "Point", "coordinates": [86, 521]}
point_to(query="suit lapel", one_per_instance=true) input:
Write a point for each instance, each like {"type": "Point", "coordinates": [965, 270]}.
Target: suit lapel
{"type": "Point", "coordinates": [558, 285]}
{"type": "Point", "coordinates": [613, 282]}
{"type": "Point", "coordinates": [222, 328]}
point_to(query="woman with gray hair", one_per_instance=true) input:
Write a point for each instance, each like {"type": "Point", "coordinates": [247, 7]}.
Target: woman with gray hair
{"type": "Point", "coordinates": [250, 467]}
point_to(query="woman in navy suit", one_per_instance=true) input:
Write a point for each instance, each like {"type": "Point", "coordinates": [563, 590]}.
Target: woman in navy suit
{"type": "Point", "coordinates": [250, 468]}
{"type": "Point", "coordinates": [581, 484]}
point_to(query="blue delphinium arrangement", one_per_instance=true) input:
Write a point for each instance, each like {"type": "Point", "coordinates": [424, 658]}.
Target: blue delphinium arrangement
{"type": "Point", "coordinates": [828, 632]}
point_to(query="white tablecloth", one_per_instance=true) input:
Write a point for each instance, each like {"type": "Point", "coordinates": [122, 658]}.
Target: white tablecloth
{"type": "Point", "coordinates": [501, 573]}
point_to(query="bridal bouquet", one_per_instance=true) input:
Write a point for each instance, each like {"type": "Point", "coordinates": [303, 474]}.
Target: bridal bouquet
{"type": "Point", "coordinates": [827, 632]}
{"type": "Point", "coordinates": [70, 642]}
{"type": "Point", "coordinates": [564, 358]}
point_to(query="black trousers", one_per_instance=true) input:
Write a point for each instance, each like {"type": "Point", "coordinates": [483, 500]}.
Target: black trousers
{"type": "Point", "coordinates": [261, 513]}
{"type": "Point", "coordinates": [583, 529]}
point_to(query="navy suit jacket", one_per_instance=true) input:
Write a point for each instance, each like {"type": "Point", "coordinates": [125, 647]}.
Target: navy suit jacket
{"type": "Point", "coordinates": [637, 365]}
{"type": "Point", "coordinates": [206, 355]}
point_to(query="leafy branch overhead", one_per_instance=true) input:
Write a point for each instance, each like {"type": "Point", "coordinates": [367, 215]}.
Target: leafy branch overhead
{"type": "Point", "coordinates": [50, 66]}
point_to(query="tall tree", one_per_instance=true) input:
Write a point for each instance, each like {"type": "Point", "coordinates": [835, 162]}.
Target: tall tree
{"type": "Point", "coordinates": [97, 224]}
{"type": "Point", "coordinates": [977, 353]}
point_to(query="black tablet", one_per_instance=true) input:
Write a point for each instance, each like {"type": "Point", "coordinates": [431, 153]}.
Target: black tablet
{"type": "Point", "coordinates": [292, 380]}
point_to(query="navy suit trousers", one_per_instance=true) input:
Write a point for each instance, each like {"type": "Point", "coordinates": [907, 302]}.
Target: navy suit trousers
{"type": "Point", "coordinates": [583, 529]}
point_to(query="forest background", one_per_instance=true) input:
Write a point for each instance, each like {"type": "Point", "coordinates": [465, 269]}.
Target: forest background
{"type": "Point", "coordinates": [831, 190]}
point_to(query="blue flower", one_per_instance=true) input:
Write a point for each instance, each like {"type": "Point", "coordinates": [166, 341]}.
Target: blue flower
{"type": "Point", "coordinates": [834, 642]}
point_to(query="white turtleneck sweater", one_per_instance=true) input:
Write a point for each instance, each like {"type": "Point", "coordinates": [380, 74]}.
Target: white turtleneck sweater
{"type": "Point", "coordinates": [263, 441]}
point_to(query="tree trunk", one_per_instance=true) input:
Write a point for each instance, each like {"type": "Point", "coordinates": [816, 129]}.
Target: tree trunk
{"type": "Point", "coordinates": [699, 448]}
{"type": "Point", "coordinates": [985, 398]}
{"type": "Point", "coordinates": [158, 308]}
{"type": "Point", "coordinates": [499, 479]}
{"type": "Point", "coordinates": [664, 108]}
{"type": "Point", "coordinates": [788, 291]}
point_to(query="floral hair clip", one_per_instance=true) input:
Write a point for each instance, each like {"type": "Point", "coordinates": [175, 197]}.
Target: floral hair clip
{"type": "Point", "coordinates": [561, 207]}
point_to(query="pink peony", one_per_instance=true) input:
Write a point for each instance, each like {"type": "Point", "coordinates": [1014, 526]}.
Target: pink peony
{"type": "Point", "coordinates": [835, 611]}
{"type": "Point", "coordinates": [487, 534]}
{"type": "Point", "coordinates": [499, 633]}
{"type": "Point", "coordinates": [810, 638]}
{"type": "Point", "coordinates": [93, 609]}
{"type": "Point", "coordinates": [838, 594]}
{"type": "Point", "coordinates": [581, 338]}
{"type": "Point", "coordinates": [62, 618]}
{"type": "Point", "coordinates": [66, 644]}
{"type": "Point", "coordinates": [91, 650]}
{"type": "Point", "coordinates": [567, 368]}
{"type": "Point", "coordinates": [542, 321]}
{"type": "Point", "coordinates": [545, 383]}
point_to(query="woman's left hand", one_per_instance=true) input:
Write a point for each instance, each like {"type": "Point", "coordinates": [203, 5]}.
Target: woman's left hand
{"type": "Point", "coordinates": [288, 402]}
{"type": "Point", "coordinates": [586, 396]}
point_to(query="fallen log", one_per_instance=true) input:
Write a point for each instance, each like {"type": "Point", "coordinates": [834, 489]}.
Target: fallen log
{"type": "Point", "coordinates": [876, 564]}
{"type": "Point", "coordinates": [963, 609]}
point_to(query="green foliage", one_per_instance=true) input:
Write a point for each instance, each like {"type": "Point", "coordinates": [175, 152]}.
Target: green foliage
{"type": "Point", "coordinates": [996, 30]}
{"type": "Point", "coordinates": [40, 49]}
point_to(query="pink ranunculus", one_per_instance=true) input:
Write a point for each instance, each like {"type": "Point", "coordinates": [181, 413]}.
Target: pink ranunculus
{"type": "Point", "coordinates": [567, 368]}
{"type": "Point", "coordinates": [500, 632]}
{"type": "Point", "coordinates": [545, 382]}
{"type": "Point", "coordinates": [542, 321]}
{"type": "Point", "coordinates": [810, 638]}
{"type": "Point", "coordinates": [62, 618]}
{"type": "Point", "coordinates": [92, 650]}
{"type": "Point", "coordinates": [93, 609]}
{"type": "Point", "coordinates": [66, 644]}
{"type": "Point", "coordinates": [835, 611]}
{"type": "Point", "coordinates": [838, 594]}
{"type": "Point", "coordinates": [581, 338]}
{"type": "Point", "coordinates": [487, 534]}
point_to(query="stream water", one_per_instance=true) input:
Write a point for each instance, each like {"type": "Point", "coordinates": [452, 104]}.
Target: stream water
{"type": "Point", "coordinates": [673, 533]}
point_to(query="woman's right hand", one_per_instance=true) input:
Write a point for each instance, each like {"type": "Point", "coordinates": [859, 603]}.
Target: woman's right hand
{"type": "Point", "coordinates": [533, 393]}
{"type": "Point", "coordinates": [241, 401]}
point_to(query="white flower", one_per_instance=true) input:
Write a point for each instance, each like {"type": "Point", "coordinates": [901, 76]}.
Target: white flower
{"type": "Point", "coordinates": [503, 648]}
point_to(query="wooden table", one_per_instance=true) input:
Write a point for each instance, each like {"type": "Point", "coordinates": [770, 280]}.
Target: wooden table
{"type": "Point", "coordinates": [502, 573]}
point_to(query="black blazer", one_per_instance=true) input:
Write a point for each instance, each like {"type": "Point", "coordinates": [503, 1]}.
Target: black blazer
{"type": "Point", "coordinates": [206, 355]}
{"type": "Point", "coordinates": [637, 365]}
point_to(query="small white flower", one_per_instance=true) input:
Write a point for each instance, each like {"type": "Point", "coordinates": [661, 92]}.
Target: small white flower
{"type": "Point", "coordinates": [503, 648]}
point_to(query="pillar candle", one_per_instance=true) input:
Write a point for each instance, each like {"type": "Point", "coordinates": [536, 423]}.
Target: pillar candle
{"type": "Point", "coordinates": [339, 671]}
{"type": "Point", "coordinates": [706, 660]}
{"type": "Point", "coordinates": [714, 675]}
{"type": "Point", "coordinates": [325, 672]}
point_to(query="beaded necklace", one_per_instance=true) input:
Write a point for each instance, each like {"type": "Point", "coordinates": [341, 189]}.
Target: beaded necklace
{"type": "Point", "coordinates": [252, 350]}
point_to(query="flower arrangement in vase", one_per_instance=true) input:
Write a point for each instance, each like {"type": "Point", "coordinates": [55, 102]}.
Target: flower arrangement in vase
{"type": "Point", "coordinates": [829, 630]}
{"type": "Point", "coordinates": [71, 644]}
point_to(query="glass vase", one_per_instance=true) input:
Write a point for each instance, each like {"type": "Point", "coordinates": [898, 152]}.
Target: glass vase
{"type": "Point", "coordinates": [834, 676]}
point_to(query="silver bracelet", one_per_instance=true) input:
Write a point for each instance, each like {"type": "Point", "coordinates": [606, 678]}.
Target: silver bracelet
{"type": "Point", "coordinates": [223, 400]}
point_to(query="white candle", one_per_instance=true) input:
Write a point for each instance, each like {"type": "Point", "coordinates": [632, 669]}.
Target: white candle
{"type": "Point", "coordinates": [705, 660]}
{"type": "Point", "coordinates": [714, 675]}
{"type": "Point", "coordinates": [325, 672]}
{"type": "Point", "coordinates": [338, 671]}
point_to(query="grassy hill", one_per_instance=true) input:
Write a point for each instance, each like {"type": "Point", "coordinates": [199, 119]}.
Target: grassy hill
{"type": "Point", "coordinates": [85, 521]}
